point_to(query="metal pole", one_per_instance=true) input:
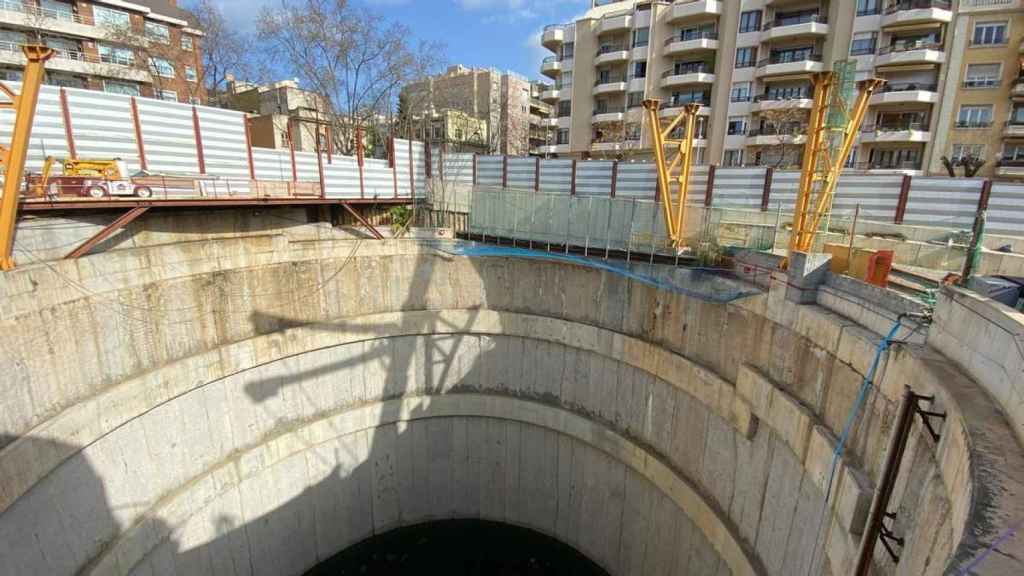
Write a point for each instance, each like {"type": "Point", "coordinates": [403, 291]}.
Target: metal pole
{"type": "Point", "coordinates": [533, 211]}
{"type": "Point", "coordinates": [590, 216]}
{"type": "Point", "coordinates": [629, 230]}
{"type": "Point", "coordinates": [853, 235]}
{"type": "Point", "coordinates": [974, 252]}
{"type": "Point", "coordinates": [568, 222]}
{"type": "Point", "coordinates": [515, 218]}
{"type": "Point", "coordinates": [608, 231]}
{"type": "Point", "coordinates": [891, 470]}
{"type": "Point", "coordinates": [654, 226]}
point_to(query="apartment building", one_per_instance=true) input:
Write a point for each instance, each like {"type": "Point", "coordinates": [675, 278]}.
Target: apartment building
{"type": "Point", "coordinates": [147, 48]}
{"type": "Point", "coordinates": [502, 99]}
{"type": "Point", "coordinates": [950, 69]}
{"type": "Point", "coordinates": [540, 114]}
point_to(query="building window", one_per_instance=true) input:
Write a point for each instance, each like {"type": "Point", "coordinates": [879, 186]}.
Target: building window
{"type": "Point", "coordinates": [750, 21]}
{"type": "Point", "coordinates": [989, 33]}
{"type": "Point", "coordinates": [982, 75]}
{"type": "Point", "coordinates": [568, 50]}
{"type": "Point", "coordinates": [1017, 114]}
{"type": "Point", "coordinates": [641, 36]}
{"type": "Point", "coordinates": [1013, 152]}
{"type": "Point", "coordinates": [11, 75]}
{"type": "Point", "coordinates": [111, 18]}
{"type": "Point", "coordinates": [640, 69]}
{"type": "Point", "coordinates": [740, 92]}
{"type": "Point", "coordinates": [635, 99]}
{"type": "Point", "coordinates": [169, 95]}
{"type": "Point", "coordinates": [57, 9]}
{"type": "Point", "coordinates": [746, 57]}
{"type": "Point", "coordinates": [733, 158]}
{"type": "Point", "coordinates": [162, 67]}
{"type": "Point", "coordinates": [562, 136]}
{"type": "Point", "coordinates": [961, 151]}
{"type": "Point", "coordinates": [737, 126]}
{"type": "Point", "coordinates": [863, 43]}
{"type": "Point", "coordinates": [187, 43]}
{"type": "Point", "coordinates": [115, 87]}
{"type": "Point", "coordinates": [868, 7]}
{"type": "Point", "coordinates": [158, 32]}
{"type": "Point", "coordinates": [974, 116]}
{"type": "Point", "coordinates": [116, 55]}
{"type": "Point", "coordinates": [190, 73]}
{"type": "Point", "coordinates": [564, 108]}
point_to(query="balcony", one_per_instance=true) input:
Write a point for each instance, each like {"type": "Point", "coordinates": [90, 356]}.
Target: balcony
{"type": "Point", "coordinates": [1014, 129]}
{"type": "Point", "coordinates": [79, 63]}
{"type": "Point", "coordinates": [62, 21]}
{"type": "Point", "coordinates": [612, 146]}
{"type": "Point", "coordinates": [551, 95]}
{"type": "Point", "coordinates": [773, 136]}
{"type": "Point", "coordinates": [618, 22]}
{"type": "Point", "coordinates": [910, 53]}
{"type": "Point", "coordinates": [972, 124]}
{"type": "Point", "coordinates": [609, 85]}
{"type": "Point", "coordinates": [898, 132]}
{"type": "Point", "coordinates": [691, 43]}
{"type": "Point", "coordinates": [890, 167]}
{"type": "Point", "coordinates": [790, 64]}
{"type": "Point", "coordinates": [800, 100]}
{"type": "Point", "coordinates": [694, 9]}
{"type": "Point", "coordinates": [673, 108]}
{"type": "Point", "coordinates": [1017, 90]}
{"type": "Point", "coordinates": [905, 93]}
{"type": "Point", "coordinates": [805, 25]}
{"type": "Point", "coordinates": [687, 75]}
{"type": "Point", "coordinates": [1010, 168]}
{"type": "Point", "coordinates": [611, 55]}
{"type": "Point", "coordinates": [917, 12]}
{"type": "Point", "coordinates": [549, 122]}
{"type": "Point", "coordinates": [553, 149]}
{"type": "Point", "coordinates": [551, 67]}
{"type": "Point", "coordinates": [602, 116]}
{"type": "Point", "coordinates": [553, 37]}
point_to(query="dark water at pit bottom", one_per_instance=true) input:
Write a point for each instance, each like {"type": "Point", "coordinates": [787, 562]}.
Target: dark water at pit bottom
{"type": "Point", "coordinates": [459, 548]}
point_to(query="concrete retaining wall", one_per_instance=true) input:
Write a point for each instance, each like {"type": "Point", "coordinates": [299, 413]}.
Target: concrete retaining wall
{"type": "Point", "coordinates": [145, 339]}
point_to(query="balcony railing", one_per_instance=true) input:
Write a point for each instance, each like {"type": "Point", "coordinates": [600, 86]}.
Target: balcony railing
{"type": "Point", "coordinates": [894, 165]}
{"type": "Point", "coordinates": [74, 55]}
{"type": "Point", "coordinates": [895, 127]}
{"type": "Point", "coordinates": [702, 35]}
{"type": "Point", "coordinates": [981, 83]}
{"type": "Point", "coordinates": [1010, 163]}
{"type": "Point", "coordinates": [795, 20]}
{"type": "Point", "coordinates": [609, 80]}
{"type": "Point", "coordinates": [908, 46]}
{"type": "Point", "coordinates": [44, 13]}
{"type": "Point", "coordinates": [553, 58]}
{"type": "Point", "coordinates": [772, 96]}
{"type": "Point", "coordinates": [973, 123]}
{"type": "Point", "coordinates": [798, 130]}
{"type": "Point", "coordinates": [610, 49]}
{"type": "Point", "coordinates": [704, 100]}
{"type": "Point", "coordinates": [894, 7]}
{"type": "Point", "coordinates": [679, 71]}
{"type": "Point", "coordinates": [907, 87]}
{"type": "Point", "coordinates": [616, 110]}
{"type": "Point", "coordinates": [551, 27]}
{"type": "Point", "coordinates": [789, 58]}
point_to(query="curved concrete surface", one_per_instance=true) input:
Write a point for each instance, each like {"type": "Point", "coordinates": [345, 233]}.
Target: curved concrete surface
{"type": "Point", "coordinates": [201, 405]}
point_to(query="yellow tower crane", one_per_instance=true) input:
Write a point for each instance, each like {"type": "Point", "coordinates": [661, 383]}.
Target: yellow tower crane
{"type": "Point", "coordinates": [673, 205]}
{"type": "Point", "coordinates": [12, 158]}
{"type": "Point", "coordinates": [833, 126]}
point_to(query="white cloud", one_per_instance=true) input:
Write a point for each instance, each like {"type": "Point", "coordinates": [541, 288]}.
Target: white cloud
{"type": "Point", "coordinates": [517, 10]}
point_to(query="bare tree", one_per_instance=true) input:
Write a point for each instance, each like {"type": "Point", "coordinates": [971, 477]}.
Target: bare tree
{"type": "Point", "coordinates": [969, 162]}
{"type": "Point", "coordinates": [350, 55]}
{"type": "Point", "coordinates": [787, 127]}
{"type": "Point", "coordinates": [226, 51]}
{"type": "Point", "coordinates": [146, 52]}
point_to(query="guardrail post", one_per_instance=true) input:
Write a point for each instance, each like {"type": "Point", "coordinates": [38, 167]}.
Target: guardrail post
{"type": "Point", "coordinates": [199, 140]}
{"type": "Point", "coordinates": [710, 190]}
{"type": "Point", "coordinates": [504, 171]}
{"type": "Point", "coordinates": [536, 175]}
{"type": "Point", "coordinates": [320, 165]}
{"type": "Point", "coordinates": [476, 156]}
{"type": "Point", "coordinates": [428, 167]}
{"type": "Point", "coordinates": [69, 132]}
{"type": "Point", "coordinates": [769, 176]}
{"type": "Point", "coordinates": [901, 203]}
{"type": "Point", "coordinates": [615, 178]}
{"type": "Point", "coordinates": [291, 151]}
{"type": "Point", "coordinates": [140, 144]}
{"type": "Point", "coordinates": [330, 144]}
{"type": "Point", "coordinates": [360, 160]}
{"type": "Point", "coordinates": [412, 173]}
{"type": "Point", "coordinates": [248, 146]}
{"type": "Point", "coordinates": [572, 184]}
{"type": "Point", "coordinates": [393, 160]}
{"type": "Point", "coordinates": [986, 195]}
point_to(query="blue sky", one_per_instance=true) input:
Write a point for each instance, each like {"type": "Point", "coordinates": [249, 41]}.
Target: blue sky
{"type": "Point", "coordinates": [504, 34]}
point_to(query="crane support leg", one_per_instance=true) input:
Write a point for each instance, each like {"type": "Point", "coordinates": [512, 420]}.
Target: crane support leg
{"type": "Point", "coordinates": [13, 160]}
{"type": "Point", "coordinates": [673, 206]}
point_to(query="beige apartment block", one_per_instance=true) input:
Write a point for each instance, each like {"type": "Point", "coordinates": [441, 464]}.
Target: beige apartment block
{"type": "Point", "coordinates": [145, 48]}
{"type": "Point", "coordinates": [500, 98]}
{"type": "Point", "coordinates": [749, 63]}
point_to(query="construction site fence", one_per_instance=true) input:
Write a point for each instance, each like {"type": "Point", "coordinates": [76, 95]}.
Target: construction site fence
{"type": "Point", "coordinates": [891, 198]}
{"type": "Point", "coordinates": [204, 143]}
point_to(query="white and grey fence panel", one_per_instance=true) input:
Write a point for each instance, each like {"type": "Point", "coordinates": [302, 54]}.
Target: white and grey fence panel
{"type": "Point", "coordinates": [945, 202]}
{"type": "Point", "coordinates": [594, 178]}
{"type": "Point", "coordinates": [556, 176]}
{"type": "Point", "coordinates": [1006, 209]}
{"type": "Point", "coordinates": [522, 173]}
{"type": "Point", "coordinates": [636, 180]}
{"type": "Point", "coordinates": [489, 170]}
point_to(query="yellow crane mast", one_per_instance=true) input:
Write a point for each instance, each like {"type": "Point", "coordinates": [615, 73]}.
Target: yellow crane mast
{"type": "Point", "coordinates": [12, 158]}
{"type": "Point", "coordinates": [673, 205]}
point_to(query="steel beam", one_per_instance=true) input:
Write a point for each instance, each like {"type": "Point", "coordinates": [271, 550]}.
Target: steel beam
{"type": "Point", "coordinates": [361, 220]}
{"type": "Point", "coordinates": [122, 221]}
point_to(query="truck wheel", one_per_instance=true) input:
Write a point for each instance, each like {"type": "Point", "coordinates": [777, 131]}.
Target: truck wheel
{"type": "Point", "coordinates": [143, 192]}
{"type": "Point", "coordinates": [96, 191]}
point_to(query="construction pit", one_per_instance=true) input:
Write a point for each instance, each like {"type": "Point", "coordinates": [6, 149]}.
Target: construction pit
{"type": "Point", "coordinates": [245, 392]}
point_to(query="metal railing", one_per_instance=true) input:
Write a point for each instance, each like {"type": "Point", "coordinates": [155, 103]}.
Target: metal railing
{"type": "Point", "coordinates": [691, 69]}
{"type": "Point", "coordinates": [973, 123]}
{"type": "Point", "coordinates": [704, 100]}
{"type": "Point", "coordinates": [894, 7]}
{"type": "Point", "coordinates": [612, 110]}
{"type": "Point", "coordinates": [553, 27]}
{"type": "Point", "coordinates": [610, 80]}
{"type": "Point", "coordinates": [553, 58]}
{"type": "Point", "coordinates": [907, 87]}
{"type": "Point", "coordinates": [795, 21]}
{"type": "Point", "coordinates": [790, 58]}
{"type": "Point", "coordinates": [1010, 163]}
{"type": "Point", "coordinates": [73, 55]}
{"type": "Point", "coordinates": [174, 188]}
{"type": "Point", "coordinates": [683, 37]}
{"type": "Point", "coordinates": [910, 46]}
{"type": "Point", "coordinates": [902, 165]}
{"type": "Point", "coordinates": [896, 127]}
{"type": "Point", "coordinates": [609, 49]}
{"type": "Point", "coordinates": [798, 130]}
{"type": "Point", "coordinates": [45, 13]}
{"type": "Point", "coordinates": [981, 83]}
{"type": "Point", "coordinates": [777, 96]}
